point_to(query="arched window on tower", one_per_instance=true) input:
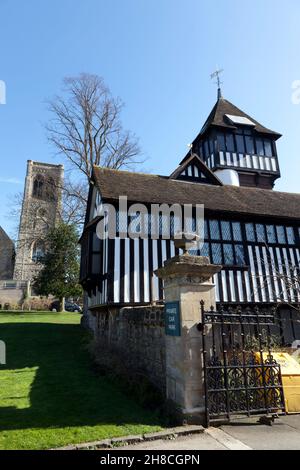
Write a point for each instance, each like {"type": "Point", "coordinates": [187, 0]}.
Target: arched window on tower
{"type": "Point", "coordinates": [38, 251]}
{"type": "Point", "coordinates": [38, 186]}
{"type": "Point", "coordinates": [50, 189]}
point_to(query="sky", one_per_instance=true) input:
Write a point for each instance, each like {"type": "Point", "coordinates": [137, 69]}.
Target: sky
{"type": "Point", "coordinates": [157, 56]}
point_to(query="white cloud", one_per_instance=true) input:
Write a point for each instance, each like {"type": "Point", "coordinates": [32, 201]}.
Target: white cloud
{"type": "Point", "coordinates": [10, 180]}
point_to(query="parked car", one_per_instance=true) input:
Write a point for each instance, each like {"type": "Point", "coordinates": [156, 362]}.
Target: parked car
{"type": "Point", "coordinates": [69, 307]}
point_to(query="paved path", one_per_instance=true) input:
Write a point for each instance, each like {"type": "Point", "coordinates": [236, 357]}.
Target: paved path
{"type": "Point", "coordinates": [241, 435]}
{"type": "Point", "coordinates": [211, 439]}
{"type": "Point", "coordinates": [283, 435]}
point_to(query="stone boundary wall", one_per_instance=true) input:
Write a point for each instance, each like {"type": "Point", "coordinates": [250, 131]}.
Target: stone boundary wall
{"type": "Point", "coordinates": [137, 335]}
{"type": "Point", "coordinates": [13, 297]}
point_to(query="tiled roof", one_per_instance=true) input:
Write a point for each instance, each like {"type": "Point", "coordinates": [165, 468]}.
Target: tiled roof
{"type": "Point", "coordinates": [218, 118]}
{"type": "Point", "coordinates": [147, 188]}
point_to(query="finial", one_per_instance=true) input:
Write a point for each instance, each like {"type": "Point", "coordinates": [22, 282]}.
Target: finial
{"type": "Point", "coordinates": [216, 75]}
{"type": "Point", "coordinates": [190, 146]}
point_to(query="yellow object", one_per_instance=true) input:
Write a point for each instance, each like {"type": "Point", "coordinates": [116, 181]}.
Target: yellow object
{"type": "Point", "coordinates": [290, 371]}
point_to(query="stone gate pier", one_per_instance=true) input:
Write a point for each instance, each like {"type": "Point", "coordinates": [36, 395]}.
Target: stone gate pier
{"type": "Point", "coordinates": [188, 280]}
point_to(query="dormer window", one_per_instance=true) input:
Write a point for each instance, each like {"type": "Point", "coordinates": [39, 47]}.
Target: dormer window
{"type": "Point", "coordinates": [240, 120]}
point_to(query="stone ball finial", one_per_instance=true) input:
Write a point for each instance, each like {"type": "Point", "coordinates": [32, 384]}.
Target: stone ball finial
{"type": "Point", "coordinates": [185, 241]}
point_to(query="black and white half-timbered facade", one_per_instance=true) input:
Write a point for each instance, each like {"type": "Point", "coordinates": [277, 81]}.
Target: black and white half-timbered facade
{"type": "Point", "coordinates": [249, 228]}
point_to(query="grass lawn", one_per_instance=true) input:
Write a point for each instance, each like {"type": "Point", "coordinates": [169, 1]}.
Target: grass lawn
{"type": "Point", "coordinates": [49, 394]}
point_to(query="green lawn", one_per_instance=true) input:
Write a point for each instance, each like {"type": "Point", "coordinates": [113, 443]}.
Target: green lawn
{"type": "Point", "coordinates": [49, 394]}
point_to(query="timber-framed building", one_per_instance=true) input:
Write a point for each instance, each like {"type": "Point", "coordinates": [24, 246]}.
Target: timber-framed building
{"type": "Point", "coordinates": [250, 229]}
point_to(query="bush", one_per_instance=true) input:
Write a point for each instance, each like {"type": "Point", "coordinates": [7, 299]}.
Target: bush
{"type": "Point", "coordinates": [7, 306]}
{"type": "Point", "coordinates": [37, 304]}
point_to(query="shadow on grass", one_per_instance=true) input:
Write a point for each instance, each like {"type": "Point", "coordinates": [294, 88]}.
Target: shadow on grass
{"type": "Point", "coordinates": [65, 391]}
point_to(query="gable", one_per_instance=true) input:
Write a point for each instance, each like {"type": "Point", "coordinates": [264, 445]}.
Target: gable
{"type": "Point", "coordinates": [195, 170]}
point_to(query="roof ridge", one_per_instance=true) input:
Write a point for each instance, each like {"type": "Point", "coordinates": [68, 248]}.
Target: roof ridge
{"type": "Point", "coordinates": [167, 178]}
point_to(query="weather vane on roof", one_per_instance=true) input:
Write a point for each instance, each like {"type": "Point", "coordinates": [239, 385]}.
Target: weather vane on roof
{"type": "Point", "coordinates": [216, 75]}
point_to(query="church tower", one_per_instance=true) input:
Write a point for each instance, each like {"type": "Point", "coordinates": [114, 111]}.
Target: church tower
{"type": "Point", "coordinates": [237, 148]}
{"type": "Point", "coordinates": [40, 212]}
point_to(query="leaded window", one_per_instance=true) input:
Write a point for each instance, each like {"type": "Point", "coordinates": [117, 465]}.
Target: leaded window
{"type": "Point", "coordinates": [240, 255]}
{"type": "Point", "coordinates": [281, 234]}
{"type": "Point", "coordinates": [206, 236]}
{"type": "Point", "coordinates": [225, 253]}
{"type": "Point", "coordinates": [226, 230]}
{"type": "Point", "coordinates": [271, 235]}
{"type": "Point", "coordinates": [228, 254]}
{"type": "Point", "coordinates": [260, 232]}
{"type": "Point", "coordinates": [237, 231]}
{"type": "Point", "coordinates": [214, 230]}
{"type": "Point", "coordinates": [205, 250]}
{"type": "Point", "coordinates": [250, 233]}
{"type": "Point", "coordinates": [290, 235]}
{"type": "Point", "coordinates": [217, 257]}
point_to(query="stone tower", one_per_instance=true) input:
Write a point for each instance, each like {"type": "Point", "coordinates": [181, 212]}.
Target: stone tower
{"type": "Point", "coordinates": [40, 212]}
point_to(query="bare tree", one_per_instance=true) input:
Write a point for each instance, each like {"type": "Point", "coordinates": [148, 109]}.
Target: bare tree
{"type": "Point", "coordinates": [14, 203]}
{"type": "Point", "coordinates": [74, 198]}
{"type": "Point", "coordinates": [86, 127]}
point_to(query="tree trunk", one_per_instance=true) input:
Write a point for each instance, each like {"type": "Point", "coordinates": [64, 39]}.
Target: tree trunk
{"type": "Point", "coordinates": [62, 304]}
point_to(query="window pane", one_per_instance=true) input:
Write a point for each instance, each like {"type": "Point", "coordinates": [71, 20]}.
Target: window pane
{"type": "Point", "coordinates": [281, 234]}
{"type": "Point", "coordinates": [205, 250]}
{"type": "Point", "coordinates": [271, 235]}
{"type": "Point", "coordinates": [214, 230]}
{"type": "Point", "coordinates": [221, 142]}
{"type": "Point", "coordinates": [268, 148]}
{"type": "Point", "coordinates": [249, 144]}
{"type": "Point", "coordinates": [230, 143]}
{"type": "Point", "coordinates": [250, 232]}
{"type": "Point", "coordinates": [260, 232]}
{"type": "Point", "coordinates": [216, 253]}
{"type": "Point", "coordinates": [237, 231]}
{"type": "Point", "coordinates": [228, 254]}
{"type": "Point", "coordinates": [240, 255]}
{"type": "Point", "coordinates": [240, 143]}
{"type": "Point", "coordinates": [121, 222]}
{"type": "Point", "coordinates": [226, 232]}
{"type": "Point", "coordinates": [206, 229]}
{"type": "Point", "coordinates": [290, 235]}
{"type": "Point", "coordinates": [260, 147]}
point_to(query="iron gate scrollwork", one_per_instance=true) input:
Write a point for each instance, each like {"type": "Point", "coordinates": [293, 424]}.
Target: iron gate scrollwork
{"type": "Point", "coordinates": [241, 374]}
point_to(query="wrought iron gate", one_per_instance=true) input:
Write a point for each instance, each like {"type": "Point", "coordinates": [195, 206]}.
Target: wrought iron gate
{"type": "Point", "coordinates": [241, 375]}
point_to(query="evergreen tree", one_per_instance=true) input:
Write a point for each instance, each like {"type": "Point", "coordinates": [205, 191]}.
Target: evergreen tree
{"type": "Point", "coordinates": [59, 275]}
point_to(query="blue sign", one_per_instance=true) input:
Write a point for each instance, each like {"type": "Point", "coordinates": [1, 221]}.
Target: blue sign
{"type": "Point", "coordinates": [172, 319]}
